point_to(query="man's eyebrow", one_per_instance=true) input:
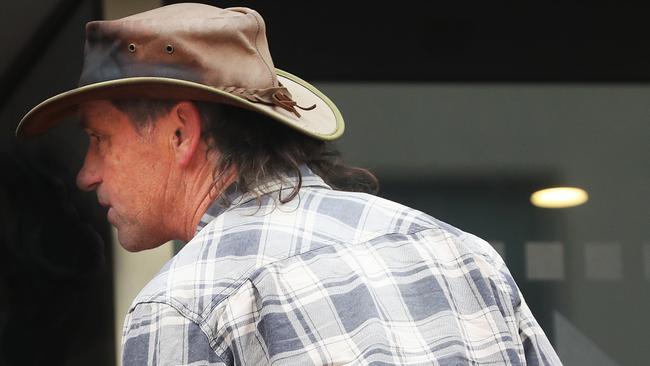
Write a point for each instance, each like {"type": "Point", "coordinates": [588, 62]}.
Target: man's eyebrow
{"type": "Point", "coordinates": [84, 123]}
{"type": "Point", "coordinates": [85, 118]}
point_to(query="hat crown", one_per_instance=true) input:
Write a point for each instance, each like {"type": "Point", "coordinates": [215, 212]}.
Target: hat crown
{"type": "Point", "coordinates": [194, 42]}
{"type": "Point", "coordinates": [189, 52]}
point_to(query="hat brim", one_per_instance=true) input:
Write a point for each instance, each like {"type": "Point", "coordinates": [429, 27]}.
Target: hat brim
{"type": "Point", "coordinates": [323, 122]}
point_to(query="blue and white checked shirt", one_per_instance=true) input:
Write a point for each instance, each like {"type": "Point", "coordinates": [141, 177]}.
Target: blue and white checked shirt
{"type": "Point", "coordinates": [331, 278]}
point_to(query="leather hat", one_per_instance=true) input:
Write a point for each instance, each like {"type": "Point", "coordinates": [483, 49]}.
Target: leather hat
{"type": "Point", "coordinates": [189, 52]}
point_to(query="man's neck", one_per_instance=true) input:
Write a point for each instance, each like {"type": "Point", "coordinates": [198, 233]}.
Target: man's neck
{"type": "Point", "coordinates": [200, 196]}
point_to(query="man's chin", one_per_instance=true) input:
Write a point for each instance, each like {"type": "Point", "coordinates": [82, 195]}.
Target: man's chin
{"type": "Point", "coordinates": [132, 248]}
{"type": "Point", "coordinates": [134, 245]}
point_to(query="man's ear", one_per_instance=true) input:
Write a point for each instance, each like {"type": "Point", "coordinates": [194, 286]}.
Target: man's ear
{"type": "Point", "coordinates": [187, 133]}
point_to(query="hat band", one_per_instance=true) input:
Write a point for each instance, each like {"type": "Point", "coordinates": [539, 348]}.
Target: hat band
{"type": "Point", "coordinates": [278, 96]}
{"type": "Point", "coordinates": [113, 66]}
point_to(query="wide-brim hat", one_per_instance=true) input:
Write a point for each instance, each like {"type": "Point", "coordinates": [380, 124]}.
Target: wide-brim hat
{"type": "Point", "coordinates": [189, 52]}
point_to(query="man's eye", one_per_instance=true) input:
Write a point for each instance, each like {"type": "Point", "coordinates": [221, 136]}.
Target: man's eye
{"type": "Point", "coordinates": [95, 137]}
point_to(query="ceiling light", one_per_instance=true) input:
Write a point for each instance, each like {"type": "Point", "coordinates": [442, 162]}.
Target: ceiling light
{"type": "Point", "coordinates": [559, 197]}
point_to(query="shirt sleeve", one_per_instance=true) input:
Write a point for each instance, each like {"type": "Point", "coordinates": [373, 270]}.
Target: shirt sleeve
{"type": "Point", "coordinates": [537, 349]}
{"type": "Point", "coordinates": [536, 346]}
{"type": "Point", "coordinates": [157, 334]}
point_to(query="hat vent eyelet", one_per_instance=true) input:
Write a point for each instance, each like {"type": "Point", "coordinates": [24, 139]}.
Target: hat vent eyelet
{"type": "Point", "coordinates": [131, 47]}
{"type": "Point", "coordinates": [169, 49]}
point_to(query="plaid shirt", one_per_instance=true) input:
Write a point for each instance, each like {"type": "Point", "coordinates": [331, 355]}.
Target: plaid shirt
{"type": "Point", "coordinates": [331, 278]}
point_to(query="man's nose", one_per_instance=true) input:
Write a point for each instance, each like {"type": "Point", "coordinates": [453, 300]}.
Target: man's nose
{"type": "Point", "coordinates": [89, 176]}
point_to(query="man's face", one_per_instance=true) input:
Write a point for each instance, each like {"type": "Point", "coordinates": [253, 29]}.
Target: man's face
{"type": "Point", "coordinates": [129, 171]}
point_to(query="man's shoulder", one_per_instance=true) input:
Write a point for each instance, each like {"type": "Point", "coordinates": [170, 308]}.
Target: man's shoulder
{"type": "Point", "coordinates": [244, 240]}
{"type": "Point", "coordinates": [352, 217]}
{"type": "Point", "coordinates": [314, 218]}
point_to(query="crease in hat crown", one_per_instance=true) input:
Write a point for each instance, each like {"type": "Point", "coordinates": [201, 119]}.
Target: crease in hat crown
{"type": "Point", "coordinates": [198, 34]}
{"type": "Point", "coordinates": [177, 46]}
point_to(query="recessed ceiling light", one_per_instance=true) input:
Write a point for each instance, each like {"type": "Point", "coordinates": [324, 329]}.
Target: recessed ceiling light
{"type": "Point", "coordinates": [559, 197]}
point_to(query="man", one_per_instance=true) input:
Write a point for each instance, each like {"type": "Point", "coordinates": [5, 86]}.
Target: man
{"type": "Point", "coordinates": [195, 136]}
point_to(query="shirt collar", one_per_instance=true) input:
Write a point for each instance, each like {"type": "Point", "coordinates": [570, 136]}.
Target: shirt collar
{"type": "Point", "coordinates": [236, 198]}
